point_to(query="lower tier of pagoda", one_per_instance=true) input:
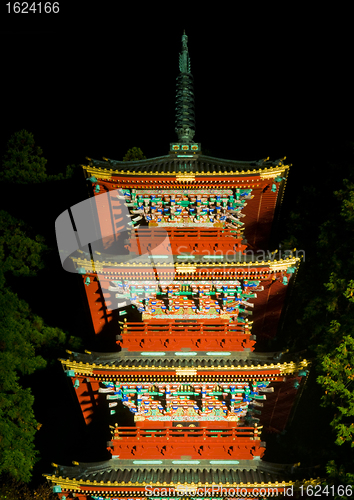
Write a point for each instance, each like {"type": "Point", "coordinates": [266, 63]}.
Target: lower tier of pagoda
{"type": "Point", "coordinates": [139, 479]}
{"type": "Point", "coordinates": [165, 389]}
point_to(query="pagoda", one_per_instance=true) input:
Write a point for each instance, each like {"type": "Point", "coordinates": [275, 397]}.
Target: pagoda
{"type": "Point", "coordinates": [173, 256]}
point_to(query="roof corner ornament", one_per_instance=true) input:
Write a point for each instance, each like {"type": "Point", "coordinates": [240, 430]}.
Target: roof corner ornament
{"type": "Point", "coordinates": [280, 162]}
{"type": "Point", "coordinates": [262, 162]}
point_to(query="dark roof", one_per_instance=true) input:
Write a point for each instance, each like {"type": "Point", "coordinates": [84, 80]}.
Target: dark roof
{"type": "Point", "coordinates": [231, 260]}
{"type": "Point", "coordinates": [170, 359]}
{"type": "Point", "coordinates": [170, 164]}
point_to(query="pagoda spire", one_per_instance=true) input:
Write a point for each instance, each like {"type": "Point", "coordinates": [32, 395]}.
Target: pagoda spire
{"type": "Point", "coordinates": [185, 118]}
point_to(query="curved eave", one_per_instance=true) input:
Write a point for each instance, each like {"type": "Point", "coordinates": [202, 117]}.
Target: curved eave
{"type": "Point", "coordinates": [134, 361]}
{"type": "Point", "coordinates": [280, 197]}
{"type": "Point", "coordinates": [182, 267]}
{"type": "Point", "coordinates": [111, 475]}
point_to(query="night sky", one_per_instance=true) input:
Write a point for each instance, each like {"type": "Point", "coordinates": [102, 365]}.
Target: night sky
{"type": "Point", "coordinates": [100, 81]}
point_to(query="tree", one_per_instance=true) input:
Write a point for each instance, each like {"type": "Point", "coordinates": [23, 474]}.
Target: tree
{"type": "Point", "coordinates": [23, 162]}
{"type": "Point", "coordinates": [16, 490]}
{"type": "Point", "coordinates": [19, 253]}
{"type": "Point", "coordinates": [338, 385]}
{"type": "Point", "coordinates": [134, 154]}
{"type": "Point", "coordinates": [24, 338]}
{"type": "Point", "coordinates": [323, 322]}
{"type": "Point", "coordinates": [339, 476]}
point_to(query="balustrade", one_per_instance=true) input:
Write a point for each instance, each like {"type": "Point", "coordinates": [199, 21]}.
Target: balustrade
{"type": "Point", "coordinates": [204, 433]}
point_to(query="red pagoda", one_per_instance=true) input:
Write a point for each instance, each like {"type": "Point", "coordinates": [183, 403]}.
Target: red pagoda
{"type": "Point", "coordinates": [173, 256]}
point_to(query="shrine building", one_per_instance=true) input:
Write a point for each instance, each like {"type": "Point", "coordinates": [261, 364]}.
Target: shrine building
{"type": "Point", "coordinates": [173, 254]}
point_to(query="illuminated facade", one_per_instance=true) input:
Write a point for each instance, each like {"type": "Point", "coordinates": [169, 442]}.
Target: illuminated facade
{"type": "Point", "coordinates": [192, 293]}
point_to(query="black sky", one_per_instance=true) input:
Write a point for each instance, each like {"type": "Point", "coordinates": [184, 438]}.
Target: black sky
{"type": "Point", "coordinates": [98, 80]}
{"type": "Point", "coordinates": [98, 83]}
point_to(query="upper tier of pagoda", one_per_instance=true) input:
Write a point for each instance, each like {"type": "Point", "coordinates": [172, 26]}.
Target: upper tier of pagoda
{"type": "Point", "coordinates": [186, 189]}
{"type": "Point", "coordinates": [195, 192]}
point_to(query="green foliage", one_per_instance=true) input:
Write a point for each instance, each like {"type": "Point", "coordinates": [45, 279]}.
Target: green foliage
{"type": "Point", "coordinates": [17, 356]}
{"type": "Point", "coordinates": [23, 162]}
{"type": "Point", "coordinates": [19, 253]}
{"type": "Point", "coordinates": [26, 342]}
{"type": "Point", "coordinates": [338, 388]}
{"type": "Point", "coordinates": [69, 173]}
{"type": "Point", "coordinates": [339, 475]}
{"type": "Point", "coordinates": [24, 334]}
{"type": "Point", "coordinates": [349, 292]}
{"type": "Point", "coordinates": [336, 349]}
{"type": "Point", "coordinates": [17, 427]}
{"type": "Point", "coordinates": [324, 296]}
{"type": "Point", "coordinates": [341, 479]}
{"type": "Point", "coordinates": [346, 196]}
{"type": "Point", "coordinates": [336, 286]}
{"type": "Point", "coordinates": [134, 154]}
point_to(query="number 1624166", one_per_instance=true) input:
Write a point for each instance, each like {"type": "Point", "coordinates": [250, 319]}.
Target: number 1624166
{"type": "Point", "coordinates": [323, 491]}
{"type": "Point", "coordinates": [32, 8]}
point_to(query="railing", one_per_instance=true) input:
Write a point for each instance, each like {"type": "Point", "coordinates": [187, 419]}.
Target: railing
{"type": "Point", "coordinates": [185, 327]}
{"type": "Point", "coordinates": [185, 232]}
{"type": "Point", "coordinates": [184, 432]}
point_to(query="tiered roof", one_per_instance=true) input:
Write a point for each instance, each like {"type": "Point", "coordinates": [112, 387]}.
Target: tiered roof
{"type": "Point", "coordinates": [284, 372]}
{"type": "Point", "coordinates": [266, 179]}
{"type": "Point", "coordinates": [242, 373]}
{"type": "Point", "coordinates": [132, 478]}
{"type": "Point", "coordinates": [274, 275]}
{"type": "Point", "coordinates": [187, 163]}
{"type": "Point", "coordinates": [242, 361]}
